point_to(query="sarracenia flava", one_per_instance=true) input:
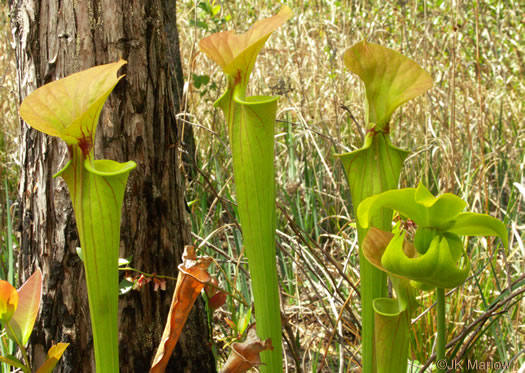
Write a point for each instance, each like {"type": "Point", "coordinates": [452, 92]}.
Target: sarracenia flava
{"type": "Point", "coordinates": [390, 80]}
{"type": "Point", "coordinates": [251, 126]}
{"type": "Point", "coordinates": [70, 108]}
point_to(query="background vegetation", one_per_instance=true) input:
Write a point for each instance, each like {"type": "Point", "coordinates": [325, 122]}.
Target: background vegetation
{"type": "Point", "coordinates": [467, 136]}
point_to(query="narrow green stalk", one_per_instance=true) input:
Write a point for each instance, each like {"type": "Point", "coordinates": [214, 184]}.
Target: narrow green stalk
{"type": "Point", "coordinates": [10, 259]}
{"type": "Point", "coordinates": [441, 338]}
{"type": "Point", "coordinates": [3, 345]}
{"type": "Point", "coordinates": [5, 367]}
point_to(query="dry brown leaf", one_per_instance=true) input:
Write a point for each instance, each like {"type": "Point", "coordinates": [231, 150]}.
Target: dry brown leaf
{"type": "Point", "coordinates": [192, 277]}
{"type": "Point", "coordinates": [245, 355]}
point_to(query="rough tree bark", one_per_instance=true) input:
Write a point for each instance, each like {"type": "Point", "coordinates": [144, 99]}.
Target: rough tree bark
{"type": "Point", "coordinates": [55, 38]}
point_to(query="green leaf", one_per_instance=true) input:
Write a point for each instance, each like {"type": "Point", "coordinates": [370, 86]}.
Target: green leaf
{"type": "Point", "coordinates": [53, 356]}
{"type": "Point", "coordinates": [390, 78]}
{"type": "Point", "coordinates": [200, 80]}
{"type": "Point", "coordinates": [125, 286]}
{"type": "Point", "coordinates": [123, 262]}
{"type": "Point", "coordinates": [79, 252]}
{"type": "Point", "coordinates": [13, 361]}
{"type": "Point", "coordinates": [244, 321]}
{"type": "Point", "coordinates": [200, 24]}
{"type": "Point", "coordinates": [371, 170]}
{"type": "Point", "coordinates": [69, 108]}
{"type": "Point", "coordinates": [205, 6]}
{"type": "Point", "coordinates": [23, 320]}
{"type": "Point", "coordinates": [472, 224]}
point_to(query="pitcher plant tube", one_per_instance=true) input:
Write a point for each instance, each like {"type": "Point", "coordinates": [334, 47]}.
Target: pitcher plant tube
{"type": "Point", "coordinates": [69, 108]}
{"type": "Point", "coordinates": [390, 80]}
{"type": "Point", "coordinates": [251, 126]}
{"type": "Point", "coordinates": [437, 258]}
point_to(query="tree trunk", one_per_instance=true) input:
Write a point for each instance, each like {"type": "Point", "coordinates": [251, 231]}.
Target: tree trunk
{"type": "Point", "coordinates": [55, 38]}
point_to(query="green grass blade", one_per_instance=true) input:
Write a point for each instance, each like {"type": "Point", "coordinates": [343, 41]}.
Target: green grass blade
{"type": "Point", "coordinates": [10, 260]}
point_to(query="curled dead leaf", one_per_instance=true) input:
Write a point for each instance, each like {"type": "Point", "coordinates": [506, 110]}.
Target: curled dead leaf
{"type": "Point", "coordinates": [192, 277]}
{"type": "Point", "coordinates": [217, 301]}
{"type": "Point", "coordinates": [245, 355]}
{"type": "Point", "coordinates": [216, 297]}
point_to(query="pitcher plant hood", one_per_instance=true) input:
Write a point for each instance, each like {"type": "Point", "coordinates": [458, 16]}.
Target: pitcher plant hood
{"type": "Point", "coordinates": [236, 54]}
{"type": "Point", "coordinates": [69, 108]}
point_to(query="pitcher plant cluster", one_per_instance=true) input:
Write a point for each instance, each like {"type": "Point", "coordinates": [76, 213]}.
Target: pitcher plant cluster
{"type": "Point", "coordinates": [436, 259]}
